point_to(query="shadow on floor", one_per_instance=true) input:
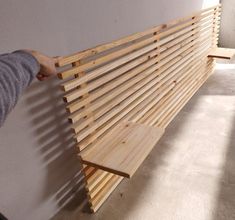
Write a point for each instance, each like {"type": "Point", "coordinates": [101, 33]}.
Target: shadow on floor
{"type": "Point", "coordinates": [225, 206]}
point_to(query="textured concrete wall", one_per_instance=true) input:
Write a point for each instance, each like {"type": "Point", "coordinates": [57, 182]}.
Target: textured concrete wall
{"type": "Point", "coordinates": [39, 171]}
{"type": "Point", "coordinates": [227, 29]}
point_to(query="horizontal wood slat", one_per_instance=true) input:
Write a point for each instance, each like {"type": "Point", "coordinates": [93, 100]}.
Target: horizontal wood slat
{"type": "Point", "coordinates": [143, 81]}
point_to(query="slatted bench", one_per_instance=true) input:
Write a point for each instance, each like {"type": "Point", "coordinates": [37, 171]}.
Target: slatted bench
{"type": "Point", "coordinates": [122, 95]}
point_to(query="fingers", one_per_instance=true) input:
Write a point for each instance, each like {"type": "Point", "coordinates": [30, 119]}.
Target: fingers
{"type": "Point", "coordinates": [42, 77]}
{"type": "Point", "coordinates": [47, 65]}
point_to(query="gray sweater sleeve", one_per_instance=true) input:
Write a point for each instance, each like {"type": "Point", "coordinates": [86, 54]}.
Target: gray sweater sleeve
{"type": "Point", "coordinates": [17, 70]}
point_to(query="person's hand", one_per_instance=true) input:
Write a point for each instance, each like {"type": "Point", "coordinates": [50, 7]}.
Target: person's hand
{"type": "Point", "coordinates": [47, 65]}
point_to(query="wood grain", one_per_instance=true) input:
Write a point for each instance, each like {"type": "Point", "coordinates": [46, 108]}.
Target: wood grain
{"type": "Point", "coordinates": [123, 151]}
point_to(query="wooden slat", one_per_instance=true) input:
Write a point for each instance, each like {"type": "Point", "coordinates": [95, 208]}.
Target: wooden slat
{"type": "Point", "coordinates": [103, 194]}
{"type": "Point", "coordinates": [95, 179]}
{"type": "Point", "coordinates": [106, 177]}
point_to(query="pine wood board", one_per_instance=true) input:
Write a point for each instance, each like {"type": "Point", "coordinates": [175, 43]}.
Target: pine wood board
{"type": "Point", "coordinates": [123, 151]}
{"type": "Point", "coordinates": [222, 53]}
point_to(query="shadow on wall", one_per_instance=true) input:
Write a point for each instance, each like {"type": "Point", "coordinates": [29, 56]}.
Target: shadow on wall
{"type": "Point", "coordinates": [64, 180]}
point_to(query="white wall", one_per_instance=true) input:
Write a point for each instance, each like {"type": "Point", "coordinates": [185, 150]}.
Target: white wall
{"type": "Point", "coordinates": [227, 30]}
{"type": "Point", "coordinates": [39, 171]}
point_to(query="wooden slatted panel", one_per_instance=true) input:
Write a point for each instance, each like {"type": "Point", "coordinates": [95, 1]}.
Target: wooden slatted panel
{"type": "Point", "coordinates": [111, 109]}
{"type": "Point", "coordinates": [146, 78]}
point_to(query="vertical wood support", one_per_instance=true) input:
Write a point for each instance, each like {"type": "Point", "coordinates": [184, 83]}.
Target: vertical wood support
{"type": "Point", "coordinates": [215, 29]}
{"type": "Point", "coordinates": [193, 26]}
{"type": "Point", "coordinates": [158, 56]}
{"type": "Point", "coordinates": [87, 170]}
{"type": "Point", "coordinates": [84, 85]}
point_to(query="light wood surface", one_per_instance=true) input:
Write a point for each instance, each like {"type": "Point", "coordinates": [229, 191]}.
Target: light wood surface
{"type": "Point", "coordinates": [123, 151]}
{"type": "Point", "coordinates": [143, 79]}
{"type": "Point", "coordinates": [223, 53]}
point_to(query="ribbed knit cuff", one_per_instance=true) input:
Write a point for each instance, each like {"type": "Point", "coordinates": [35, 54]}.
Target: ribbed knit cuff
{"type": "Point", "coordinates": [34, 64]}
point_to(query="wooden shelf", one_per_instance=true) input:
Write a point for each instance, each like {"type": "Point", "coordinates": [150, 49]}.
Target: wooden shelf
{"type": "Point", "coordinates": [123, 151]}
{"type": "Point", "coordinates": [223, 53]}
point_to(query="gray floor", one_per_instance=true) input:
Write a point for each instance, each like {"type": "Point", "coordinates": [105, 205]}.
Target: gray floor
{"type": "Point", "coordinates": [190, 175]}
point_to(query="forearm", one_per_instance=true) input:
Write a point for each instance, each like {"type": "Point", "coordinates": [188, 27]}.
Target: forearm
{"type": "Point", "coordinates": [17, 70]}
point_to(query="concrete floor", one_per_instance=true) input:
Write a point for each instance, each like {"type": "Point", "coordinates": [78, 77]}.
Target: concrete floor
{"type": "Point", "coordinates": [190, 175]}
